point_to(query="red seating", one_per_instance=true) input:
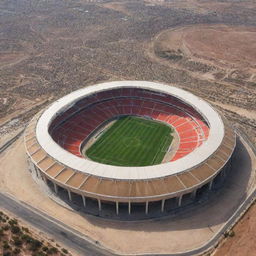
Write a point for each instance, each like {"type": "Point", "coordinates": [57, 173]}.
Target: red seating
{"type": "Point", "coordinates": [72, 127]}
{"type": "Point", "coordinates": [184, 126]}
{"type": "Point", "coordinates": [162, 117]}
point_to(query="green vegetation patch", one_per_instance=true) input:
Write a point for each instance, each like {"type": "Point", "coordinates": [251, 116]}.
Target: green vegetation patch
{"type": "Point", "coordinates": [132, 141]}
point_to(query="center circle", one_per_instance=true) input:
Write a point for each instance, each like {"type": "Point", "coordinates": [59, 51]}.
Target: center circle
{"type": "Point", "coordinates": [131, 142]}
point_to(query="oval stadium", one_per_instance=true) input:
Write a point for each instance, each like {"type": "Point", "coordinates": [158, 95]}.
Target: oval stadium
{"type": "Point", "coordinates": [131, 145]}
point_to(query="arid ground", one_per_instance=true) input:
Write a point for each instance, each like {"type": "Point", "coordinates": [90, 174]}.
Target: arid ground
{"type": "Point", "coordinates": [50, 48]}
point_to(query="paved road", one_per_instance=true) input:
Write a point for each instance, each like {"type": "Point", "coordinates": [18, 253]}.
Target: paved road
{"type": "Point", "coordinates": [10, 142]}
{"type": "Point", "coordinates": [59, 231]}
{"type": "Point", "coordinates": [77, 241]}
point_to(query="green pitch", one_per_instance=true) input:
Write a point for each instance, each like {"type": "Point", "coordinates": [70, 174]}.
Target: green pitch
{"type": "Point", "coordinates": [132, 141]}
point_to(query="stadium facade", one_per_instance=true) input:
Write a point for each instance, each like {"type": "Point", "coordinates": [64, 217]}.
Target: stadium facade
{"type": "Point", "coordinates": [203, 153]}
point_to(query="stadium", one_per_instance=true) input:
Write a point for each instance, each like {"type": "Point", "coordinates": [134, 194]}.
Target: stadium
{"type": "Point", "coordinates": [130, 143]}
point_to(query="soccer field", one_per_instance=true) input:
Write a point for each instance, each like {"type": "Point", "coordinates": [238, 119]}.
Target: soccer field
{"type": "Point", "coordinates": [132, 141]}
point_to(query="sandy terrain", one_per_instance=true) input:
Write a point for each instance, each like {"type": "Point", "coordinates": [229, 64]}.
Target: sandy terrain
{"type": "Point", "coordinates": [204, 6]}
{"type": "Point", "coordinates": [189, 230]}
{"type": "Point", "coordinates": [243, 243]}
{"type": "Point", "coordinates": [241, 111]}
{"type": "Point", "coordinates": [226, 47]}
{"type": "Point", "coordinates": [117, 6]}
{"type": "Point", "coordinates": [25, 248]}
{"type": "Point", "coordinates": [221, 44]}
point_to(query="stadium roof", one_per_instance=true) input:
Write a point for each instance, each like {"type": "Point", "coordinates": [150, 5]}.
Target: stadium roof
{"type": "Point", "coordinates": [188, 162]}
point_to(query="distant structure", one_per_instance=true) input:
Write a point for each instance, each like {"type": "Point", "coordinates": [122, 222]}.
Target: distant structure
{"type": "Point", "coordinates": [203, 154]}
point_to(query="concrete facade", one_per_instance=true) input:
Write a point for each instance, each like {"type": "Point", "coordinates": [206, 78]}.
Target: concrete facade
{"type": "Point", "coordinates": [145, 185]}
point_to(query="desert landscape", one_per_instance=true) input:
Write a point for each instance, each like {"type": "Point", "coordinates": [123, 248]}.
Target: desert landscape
{"type": "Point", "coordinates": [50, 48]}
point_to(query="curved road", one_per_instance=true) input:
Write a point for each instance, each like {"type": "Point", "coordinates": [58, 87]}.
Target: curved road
{"type": "Point", "coordinates": [59, 231]}
{"type": "Point", "coordinates": [84, 246]}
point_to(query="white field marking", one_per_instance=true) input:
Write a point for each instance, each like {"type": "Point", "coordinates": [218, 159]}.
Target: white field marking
{"type": "Point", "coordinates": [109, 159]}
{"type": "Point", "coordinates": [158, 152]}
{"type": "Point", "coordinates": [104, 131]}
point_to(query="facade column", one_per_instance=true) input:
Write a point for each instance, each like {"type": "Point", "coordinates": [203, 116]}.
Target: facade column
{"type": "Point", "coordinates": [193, 194]}
{"type": "Point", "coordinates": [210, 184]}
{"type": "Point", "coordinates": [223, 173]}
{"type": "Point", "coordinates": [69, 195]}
{"type": "Point", "coordinates": [99, 204]}
{"type": "Point", "coordinates": [162, 205]}
{"type": "Point", "coordinates": [84, 201]}
{"type": "Point", "coordinates": [37, 174]}
{"type": "Point", "coordinates": [44, 179]}
{"type": "Point", "coordinates": [40, 175]}
{"type": "Point", "coordinates": [129, 207]}
{"type": "Point", "coordinates": [229, 167]}
{"type": "Point", "coordinates": [117, 207]}
{"type": "Point", "coordinates": [55, 188]}
{"type": "Point", "coordinates": [179, 200]}
{"type": "Point", "coordinates": [146, 208]}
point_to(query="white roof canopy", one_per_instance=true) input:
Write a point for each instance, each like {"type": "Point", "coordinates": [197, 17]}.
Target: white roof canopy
{"type": "Point", "coordinates": [131, 173]}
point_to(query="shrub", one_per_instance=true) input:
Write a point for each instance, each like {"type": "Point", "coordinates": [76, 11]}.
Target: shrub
{"type": "Point", "coordinates": [25, 229]}
{"type": "Point", "coordinates": [16, 251]}
{"type": "Point", "coordinates": [7, 254]}
{"type": "Point", "coordinates": [52, 250]}
{"type": "Point", "coordinates": [6, 246]}
{"type": "Point", "coordinates": [13, 222]}
{"type": "Point", "coordinates": [17, 241]}
{"type": "Point", "coordinates": [64, 250]}
{"type": "Point", "coordinates": [39, 254]}
{"type": "Point", "coordinates": [45, 248]}
{"type": "Point", "coordinates": [15, 229]}
{"type": "Point", "coordinates": [35, 245]}
{"type": "Point", "coordinates": [28, 239]}
{"type": "Point", "coordinates": [6, 227]}
{"type": "Point", "coordinates": [231, 233]}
